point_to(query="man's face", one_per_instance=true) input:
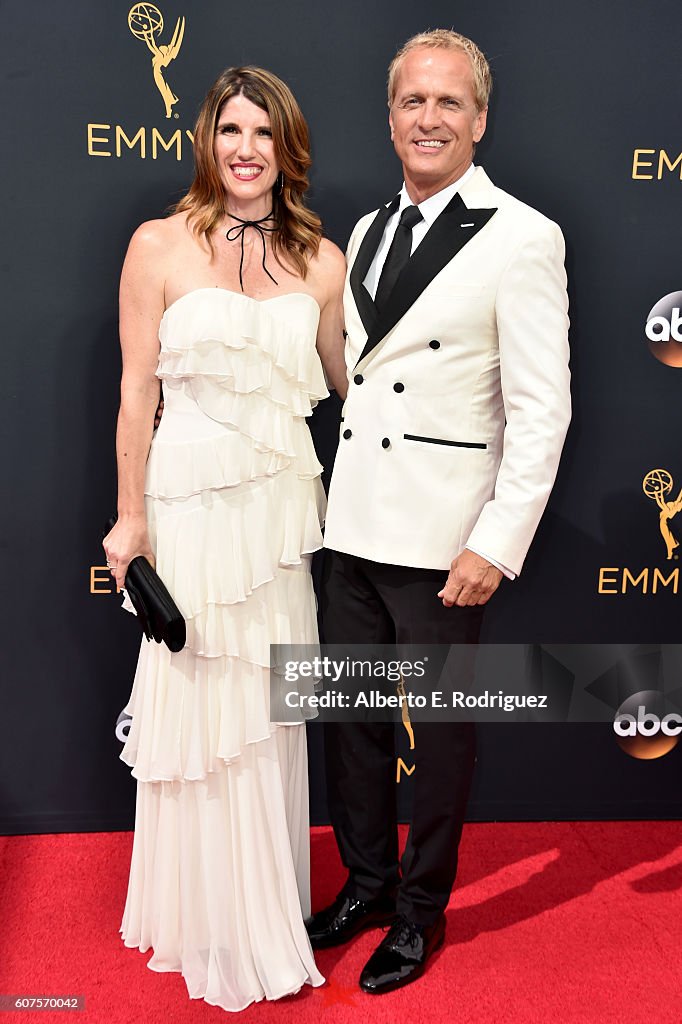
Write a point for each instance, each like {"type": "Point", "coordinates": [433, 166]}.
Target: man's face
{"type": "Point", "coordinates": [434, 120]}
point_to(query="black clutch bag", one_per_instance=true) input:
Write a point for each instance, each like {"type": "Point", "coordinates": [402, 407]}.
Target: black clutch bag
{"type": "Point", "coordinates": [158, 613]}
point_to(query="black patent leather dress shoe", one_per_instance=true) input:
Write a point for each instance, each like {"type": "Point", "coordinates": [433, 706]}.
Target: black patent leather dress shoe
{"type": "Point", "coordinates": [402, 955]}
{"type": "Point", "coordinates": [347, 917]}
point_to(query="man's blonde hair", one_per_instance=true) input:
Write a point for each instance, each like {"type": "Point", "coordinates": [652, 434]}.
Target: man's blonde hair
{"type": "Point", "coordinates": [446, 39]}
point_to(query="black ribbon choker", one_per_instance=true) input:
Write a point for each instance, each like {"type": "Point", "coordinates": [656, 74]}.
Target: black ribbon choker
{"type": "Point", "coordinates": [238, 231]}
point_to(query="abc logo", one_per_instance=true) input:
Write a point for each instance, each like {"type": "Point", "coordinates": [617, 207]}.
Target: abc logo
{"type": "Point", "coordinates": [123, 726]}
{"type": "Point", "coordinates": [664, 329]}
{"type": "Point", "coordinates": [645, 728]}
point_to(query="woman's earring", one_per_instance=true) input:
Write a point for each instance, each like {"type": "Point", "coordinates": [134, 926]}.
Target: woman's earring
{"type": "Point", "coordinates": [279, 183]}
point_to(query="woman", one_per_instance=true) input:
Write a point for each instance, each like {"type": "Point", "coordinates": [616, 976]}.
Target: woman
{"type": "Point", "coordinates": [225, 302]}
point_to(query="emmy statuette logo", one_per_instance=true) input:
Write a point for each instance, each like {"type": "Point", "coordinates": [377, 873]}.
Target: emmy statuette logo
{"type": "Point", "coordinates": [146, 23]}
{"type": "Point", "coordinates": [104, 139]}
{"type": "Point", "coordinates": [657, 485]}
{"type": "Point", "coordinates": [407, 723]}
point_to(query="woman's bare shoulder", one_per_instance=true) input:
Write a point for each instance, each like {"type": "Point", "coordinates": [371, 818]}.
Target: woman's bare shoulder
{"type": "Point", "coordinates": [157, 235]}
{"type": "Point", "coordinates": [330, 255]}
{"type": "Point", "coordinates": [157, 246]}
{"type": "Point", "coordinates": [329, 263]}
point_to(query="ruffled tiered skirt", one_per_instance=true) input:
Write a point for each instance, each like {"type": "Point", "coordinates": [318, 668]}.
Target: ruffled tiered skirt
{"type": "Point", "coordinates": [219, 879]}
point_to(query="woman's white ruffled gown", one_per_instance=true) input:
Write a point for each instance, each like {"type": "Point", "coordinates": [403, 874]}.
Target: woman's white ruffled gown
{"type": "Point", "coordinates": [219, 879]}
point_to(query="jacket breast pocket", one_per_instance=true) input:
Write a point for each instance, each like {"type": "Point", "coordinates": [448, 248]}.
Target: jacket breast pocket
{"type": "Point", "coordinates": [445, 441]}
{"type": "Point", "coordinates": [461, 307]}
{"type": "Point", "coordinates": [464, 291]}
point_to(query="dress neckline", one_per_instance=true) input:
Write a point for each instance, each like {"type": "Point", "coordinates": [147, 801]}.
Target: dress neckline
{"type": "Point", "coordinates": [241, 295]}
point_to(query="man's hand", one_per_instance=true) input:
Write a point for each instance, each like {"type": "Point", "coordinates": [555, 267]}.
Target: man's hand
{"type": "Point", "coordinates": [471, 580]}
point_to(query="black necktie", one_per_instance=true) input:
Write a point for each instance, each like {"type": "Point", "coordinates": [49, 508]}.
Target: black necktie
{"type": "Point", "coordinates": [398, 254]}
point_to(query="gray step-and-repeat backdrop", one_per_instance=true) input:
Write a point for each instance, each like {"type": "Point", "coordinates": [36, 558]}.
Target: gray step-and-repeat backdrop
{"type": "Point", "coordinates": [582, 126]}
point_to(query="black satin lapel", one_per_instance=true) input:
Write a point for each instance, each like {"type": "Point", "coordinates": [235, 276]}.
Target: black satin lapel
{"type": "Point", "coordinates": [362, 263]}
{"type": "Point", "coordinates": [443, 241]}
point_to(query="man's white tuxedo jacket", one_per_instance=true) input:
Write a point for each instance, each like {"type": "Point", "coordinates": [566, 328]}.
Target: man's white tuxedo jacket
{"type": "Point", "coordinates": [458, 400]}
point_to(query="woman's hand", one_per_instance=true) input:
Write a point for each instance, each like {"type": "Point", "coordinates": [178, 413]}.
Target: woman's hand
{"type": "Point", "coordinates": [128, 538]}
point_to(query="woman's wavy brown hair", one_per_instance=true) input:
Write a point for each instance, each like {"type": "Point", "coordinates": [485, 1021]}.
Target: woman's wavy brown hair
{"type": "Point", "coordinates": [299, 229]}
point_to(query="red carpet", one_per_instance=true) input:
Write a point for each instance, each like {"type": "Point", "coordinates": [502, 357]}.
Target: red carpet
{"type": "Point", "coordinates": [551, 922]}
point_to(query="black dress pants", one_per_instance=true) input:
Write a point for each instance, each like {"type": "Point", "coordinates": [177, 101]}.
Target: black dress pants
{"type": "Point", "coordinates": [366, 602]}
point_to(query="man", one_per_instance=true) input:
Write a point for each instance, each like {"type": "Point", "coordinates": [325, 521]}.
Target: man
{"type": "Point", "coordinates": [457, 408]}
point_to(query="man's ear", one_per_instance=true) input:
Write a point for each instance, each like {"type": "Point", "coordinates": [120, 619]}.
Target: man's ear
{"type": "Point", "coordinates": [390, 124]}
{"type": "Point", "coordinates": [480, 125]}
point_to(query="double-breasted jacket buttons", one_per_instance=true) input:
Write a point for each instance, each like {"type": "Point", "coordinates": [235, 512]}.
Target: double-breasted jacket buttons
{"type": "Point", "coordinates": [358, 378]}
{"type": "Point", "coordinates": [434, 344]}
{"type": "Point", "coordinates": [347, 433]}
{"type": "Point", "coordinates": [399, 386]}
{"type": "Point", "coordinates": [386, 442]}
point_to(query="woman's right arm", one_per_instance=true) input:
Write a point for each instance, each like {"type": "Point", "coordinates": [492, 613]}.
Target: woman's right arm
{"type": "Point", "coordinates": [141, 306]}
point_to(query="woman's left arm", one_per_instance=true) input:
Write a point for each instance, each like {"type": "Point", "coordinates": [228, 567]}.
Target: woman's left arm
{"type": "Point", "coordinates": [330, 333]}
